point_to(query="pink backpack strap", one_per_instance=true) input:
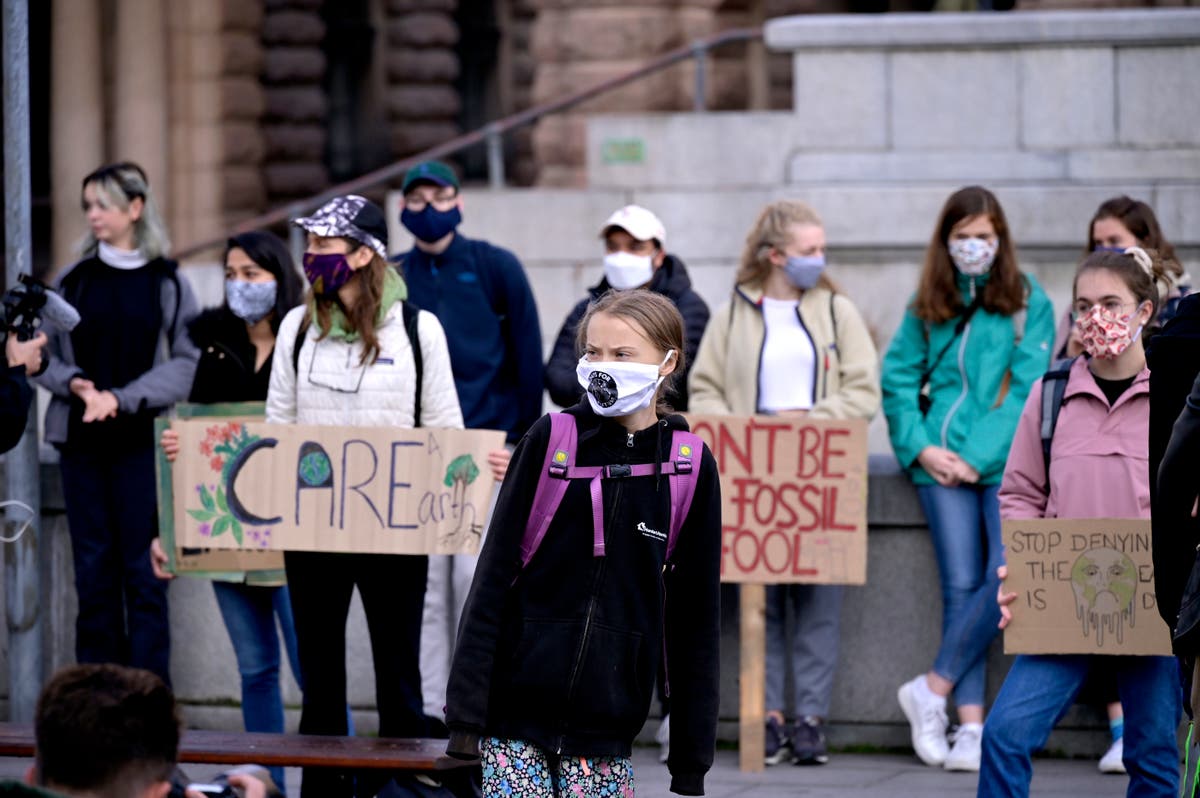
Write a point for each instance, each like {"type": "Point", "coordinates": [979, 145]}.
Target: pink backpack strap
{"type": "Point", "coordinates": [552, 483]}
{"type": "Point", "coordinates": [686, 451]}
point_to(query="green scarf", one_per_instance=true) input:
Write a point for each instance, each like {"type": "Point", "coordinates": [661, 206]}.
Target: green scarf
{"type": "Point", "coordinates": [394, 290]}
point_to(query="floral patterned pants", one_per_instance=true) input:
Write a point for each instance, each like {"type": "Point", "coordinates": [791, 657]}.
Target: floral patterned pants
{"type": "Point", "coordinates": [522, 770]}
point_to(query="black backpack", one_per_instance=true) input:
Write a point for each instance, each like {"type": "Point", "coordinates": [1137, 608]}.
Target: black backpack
{"type": "Point", "coordinates": [1054, 388]}
{"type": "Point", "coordinates": [409, 312]}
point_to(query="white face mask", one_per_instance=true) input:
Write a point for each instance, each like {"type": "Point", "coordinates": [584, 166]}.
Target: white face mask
{"type": "Point", "coordinates": [619, 389]}
{"type": "Point", "coordinates": [624, 270]}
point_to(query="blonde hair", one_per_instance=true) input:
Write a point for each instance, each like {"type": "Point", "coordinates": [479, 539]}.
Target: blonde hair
{"type": "Point", "coordinates": [119, 184]}
{"type": "Point", "coordinates": [773, 231]}
{"type": "Point", "coordinates": [659, 321]}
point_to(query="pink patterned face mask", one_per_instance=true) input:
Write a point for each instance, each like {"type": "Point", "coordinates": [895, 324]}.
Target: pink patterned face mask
{"type": "Point", "coordinates": [1106, 334]}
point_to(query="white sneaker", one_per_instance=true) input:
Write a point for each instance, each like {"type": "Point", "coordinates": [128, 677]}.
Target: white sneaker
{"type": "Point", "coordinates": [1113, 759]}
{"type": "Point", "coordinates": [965, 754]}
{"type": "Point", "coordinates": [926, 715]}
{"type": "Point", "coordinates": [663, 738]}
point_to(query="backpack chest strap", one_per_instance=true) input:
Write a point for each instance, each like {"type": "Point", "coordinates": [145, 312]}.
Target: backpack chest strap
{"type": "Point", "coordinates": [596, 476]}
{"type": "Point", "coordinates": [559, 469]}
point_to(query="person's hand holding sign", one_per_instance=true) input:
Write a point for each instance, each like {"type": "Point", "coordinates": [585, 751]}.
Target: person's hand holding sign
{"type": "Point", "coordinates": [1004, 599]}
{"type": "Point", "coordinates": [170, 444]}
{"type": "Point", "coordinates": [497, 462]}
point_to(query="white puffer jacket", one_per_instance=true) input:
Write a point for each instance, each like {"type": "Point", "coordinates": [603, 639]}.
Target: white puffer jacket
{"type": "Point", "coordinates": [331, 387]}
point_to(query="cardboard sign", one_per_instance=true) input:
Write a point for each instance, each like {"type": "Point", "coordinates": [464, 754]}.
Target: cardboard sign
{"type": "Point", "coordinates": [793, 498]}
{"type": "Point", "coordinates": [255, 567]}
{"type": "Point", "coordinates": [1083, 587]}
{"type": "Point", "coordinates": [258, 486]}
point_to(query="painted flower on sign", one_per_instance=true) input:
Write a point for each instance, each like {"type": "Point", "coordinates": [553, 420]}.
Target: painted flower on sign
{"type": "Point", "coordinates": [221, 445]}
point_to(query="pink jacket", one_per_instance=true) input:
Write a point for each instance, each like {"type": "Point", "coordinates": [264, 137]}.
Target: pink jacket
{"type": "Point", "coordinates": [1098, 458]}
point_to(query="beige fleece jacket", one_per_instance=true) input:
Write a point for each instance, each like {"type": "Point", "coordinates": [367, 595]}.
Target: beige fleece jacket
{"type": "Point", "coordinates": [725, 377]}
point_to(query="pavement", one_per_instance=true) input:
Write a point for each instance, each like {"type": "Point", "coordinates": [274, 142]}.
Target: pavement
{"type": "Point", "coordinates": [892, 775]}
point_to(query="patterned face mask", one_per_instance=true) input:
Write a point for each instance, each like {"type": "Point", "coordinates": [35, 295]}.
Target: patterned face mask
{"type": "Point", "coordinates": [1106, 334]}
{"type": "Point", "coordinates": [972, 256]}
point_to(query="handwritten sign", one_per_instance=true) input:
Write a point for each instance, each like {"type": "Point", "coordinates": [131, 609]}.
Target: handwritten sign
{"type": "Point", "coordinates": [1083, 587]}
{"type": "Point", "coordinates": [793, 496]}
{"type": "Point", "coordinates": [258, 486]}
{"type": "Point", "coordinates": [254, 567]}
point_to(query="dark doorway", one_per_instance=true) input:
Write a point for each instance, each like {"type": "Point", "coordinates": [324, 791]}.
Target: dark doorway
{"type": "Point", "coordinates": [356, 124]}
{"type": "Point", "coordinates": [478, 82]}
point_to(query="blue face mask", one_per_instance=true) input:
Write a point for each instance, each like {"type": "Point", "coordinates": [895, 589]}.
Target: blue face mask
{"type": "Point", "coordinates": [430, 224]}
{"type": "Point", "coordinates": [1102, 248]}
{"type": "Point", "coordinates": [804, 272]}
{"type": "Point", "coordinates": [250, 302]}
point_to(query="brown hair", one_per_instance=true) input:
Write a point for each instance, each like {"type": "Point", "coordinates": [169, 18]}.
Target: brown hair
{"type": "Point", "coordinates": [105, 730]}
{"type": "Point", "coordinates": [655, 315]}
{"type": "Point", "coordinates": [364, 314]}
{"type": "Point", "coordinates": [772, 230]}
{"type": "Point", "coordinates": [938, 298]}
{"type": "Point", "coordinates": [1142, 271]}
{"type": "Point", "coordinates": [1138, 218]}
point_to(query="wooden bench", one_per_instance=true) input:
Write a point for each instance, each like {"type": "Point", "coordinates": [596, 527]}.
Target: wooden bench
{"type": "Point", "coordinates": [288, 750]}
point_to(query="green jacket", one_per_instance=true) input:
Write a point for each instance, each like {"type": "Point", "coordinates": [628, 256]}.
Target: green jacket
{"type": "Point", "coordinates": [978, 389]}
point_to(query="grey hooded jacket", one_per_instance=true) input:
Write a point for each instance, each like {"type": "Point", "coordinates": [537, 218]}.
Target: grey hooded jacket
{"type": "Point", "coordinates": [168, 381]}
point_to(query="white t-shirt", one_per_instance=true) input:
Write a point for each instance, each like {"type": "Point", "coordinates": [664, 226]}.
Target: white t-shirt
{"type": "Point", "coordinates": [785, 377]}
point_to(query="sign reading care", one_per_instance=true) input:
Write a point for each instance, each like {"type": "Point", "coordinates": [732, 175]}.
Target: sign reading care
{"type": "Point", "coordinates": [793, 497]}
{"type": "Point", "coordinates": [1083, 587]}
{"type": "Point", "coordinates": [240, 485]}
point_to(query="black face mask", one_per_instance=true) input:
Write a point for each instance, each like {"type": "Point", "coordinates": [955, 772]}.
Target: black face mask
{"type": "Point", "coordinates": [430, 224]}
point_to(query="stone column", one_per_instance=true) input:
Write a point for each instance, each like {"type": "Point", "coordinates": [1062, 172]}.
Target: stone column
{"type": "Point", "coordinates": [76, 116]}
{"type": "Point", "coordinates": [293, 125]}
{"type": "Point", "coordinates": [578, 43]}
{"type": "Point", "coordinates": [216, 102]}
{"type": "Point", "coordinates": [140, 108]}
{"type": "Point", "coordinates": [422, 103]}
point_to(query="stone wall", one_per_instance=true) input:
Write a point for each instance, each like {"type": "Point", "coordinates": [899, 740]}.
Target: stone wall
{"type": "Point", "coordinates": [576, 44]}
{"type": "Point", "coordinates": [422, 103]}
{"type": "Point", "coordinates": [293, 124]}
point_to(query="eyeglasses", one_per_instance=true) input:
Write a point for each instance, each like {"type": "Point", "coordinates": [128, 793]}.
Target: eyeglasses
{"type": "Point", "coordinates": [417, 203]}
{"type": "Point", "coordinates": [1083, 307]}
{"type": "Point", "coordinates": [351, 382]}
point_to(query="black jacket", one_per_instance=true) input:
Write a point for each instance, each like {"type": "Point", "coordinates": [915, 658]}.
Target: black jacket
{"type": "Point", "coordinates": [564, 654]}
{"type": "Point", "coordinates": [1174, 360]}
{"type": "Point", "coordinates": [672, 281]}
{"type": "Point", "coordinates": [16, 395]}
{"type": "Point", "coordinates": [226, 369]}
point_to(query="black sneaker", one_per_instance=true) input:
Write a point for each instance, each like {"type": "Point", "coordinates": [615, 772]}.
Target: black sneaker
{"type": "Point", "coordinates": [808, 742]}
{"type": "Point", "coordinates": [778, 747]}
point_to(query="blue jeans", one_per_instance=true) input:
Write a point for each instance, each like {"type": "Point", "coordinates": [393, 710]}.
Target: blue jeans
{"type": "Point", "coordinates": [964, 522]}
{"type": "Point", "coordinates": [1038, 692]}
{"type": "Point", "coordinates": [249, 613]}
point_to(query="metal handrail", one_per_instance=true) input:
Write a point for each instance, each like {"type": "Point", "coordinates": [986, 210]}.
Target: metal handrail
{"type": "Point", "coordinates": [491, 134]}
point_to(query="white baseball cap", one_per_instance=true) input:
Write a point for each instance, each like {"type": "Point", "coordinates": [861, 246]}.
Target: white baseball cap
{"type": "Point", "coordinates": [639, 223]}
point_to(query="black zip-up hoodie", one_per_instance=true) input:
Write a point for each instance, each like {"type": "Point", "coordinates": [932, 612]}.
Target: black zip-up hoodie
{"type": "Point", "coordinates": [672, 281]}
{"type": "Point", "coordinates": [564, 654]}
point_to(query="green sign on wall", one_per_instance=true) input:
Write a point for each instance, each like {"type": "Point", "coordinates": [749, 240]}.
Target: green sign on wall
{"type": "Point", "coordinates": [627, 151]}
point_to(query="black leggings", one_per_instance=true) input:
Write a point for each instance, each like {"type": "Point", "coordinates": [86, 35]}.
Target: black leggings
{"type": "Point", "coordinates": [392, 588]}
